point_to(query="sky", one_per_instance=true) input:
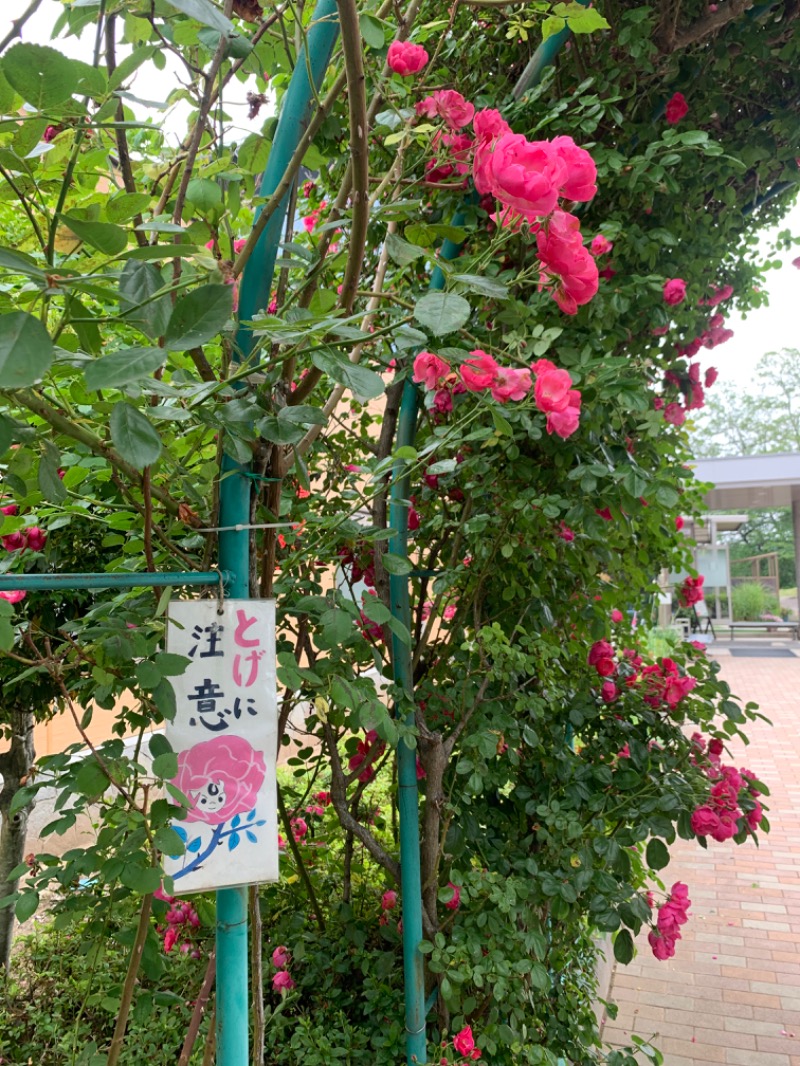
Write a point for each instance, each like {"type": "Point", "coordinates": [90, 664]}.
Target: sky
{"type": "Point", "coordinates": [764, 330]}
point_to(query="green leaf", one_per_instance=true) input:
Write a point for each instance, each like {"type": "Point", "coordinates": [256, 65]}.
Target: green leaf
{"type": "Point", "coordinates": [485, 286]}
{"type": "Point", "coordinates": [26, 906]}
{"type": "Point", "coordinates": [623, 947]}
{"type": "Point", "coordinates": [125, 205]}
{"type": "Point", "coordinates": [138, 284]}
{"type": "Point", "coordinates": [372, 31]}
{"type": "Point", "coordinates": [170, 664]}
{"type": "Point", "coordinates": [168, 841]}
{"type": "Point", "coordinates": [279, 431]}
{"type": "Point", "coordinates": [204, 11]}
{"type": "Point", "coordinates": [133, 436]}
{"type": "Point", "coordinates": [158, 745]}
{"type": "Point", "coordinates": [147, 674]}
{"type": "Point", "coordinates": [22, 797]}
{"type": "Point", "coordinates": [164, 696]}
{"type": "Point", "coordinates": [657, 854]}
{"type": "Point", "coordinates": [26, 351]}
{"type": "Point", "coordinates": [419, 233]}
{"type": "Point", "coordinates": [304, 414]}
{"type": "Point", "coordinates": [442, 312]}
{"type": "Point", "coordinates": [20, 263]}
{"type": "Point", "coordinates": [42, 76]}
{"type": "Point", "coordinates": [205, 194]}
{"type": "Point", "coordinates": [51, 485]}
{"type": "Point", "coordinates": [141, 879]}
{"type": "Point", "coordinates": [401, 251]}
{"type": "Point", "coordinates": [364, 383]}
{"type": "Point", "coordinates": [166, 765]}
{"type": "Point", "coordinates": [6, 627]}
{"type": "Point", "coordinates": [199, 317]}
{"type": "Point", "coordinates": [120, 368]}
{"type": "Point", "coordinates": [128, 66]}
{"type": "Point", "coordinates": [396, 564]}
{"type": "Point", "coordinates": [105, 237]}
{"type": "Point", "coordinates": [91, 780]}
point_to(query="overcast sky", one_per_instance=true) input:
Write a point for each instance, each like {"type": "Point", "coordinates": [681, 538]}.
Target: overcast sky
{"type": "Point", "coordinates": [767, 329]}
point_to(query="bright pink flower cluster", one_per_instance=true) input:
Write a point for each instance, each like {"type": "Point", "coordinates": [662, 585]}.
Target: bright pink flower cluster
{"type": "Point", "coordinates": [181, 919]}
{"type": "Point", "coordinates": [33, 538]}
{"type": "Point", "coordinates": [671, 916]}
{"type": "Point", "coordinates": [721, 817]}
{"type": "Point", "coordinates": [664, 683]}
{"type": "Point", "coordinates": [553, 391]}
{"type": "Point", "coordinates": [691, 591]}
{"type": "Point", "coordinates": [282, 981]}
{"type": "Point", "coordinates": [528, 179]}
{"type": "Point", "coordinates": [369, 750]}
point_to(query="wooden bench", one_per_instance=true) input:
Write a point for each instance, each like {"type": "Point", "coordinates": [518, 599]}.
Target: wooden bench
{"type": "Point", "coordinates": [790, 627]}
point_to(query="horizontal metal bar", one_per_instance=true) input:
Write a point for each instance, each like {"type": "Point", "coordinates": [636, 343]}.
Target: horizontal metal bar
{"type": "Point", "coordinates": [53, 582]}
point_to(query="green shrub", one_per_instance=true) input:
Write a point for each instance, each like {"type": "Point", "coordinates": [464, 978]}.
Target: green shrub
{"type": "Point", "coordinates": [749, 602]}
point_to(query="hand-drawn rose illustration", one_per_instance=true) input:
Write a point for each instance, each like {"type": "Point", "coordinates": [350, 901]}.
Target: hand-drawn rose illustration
{"type": "Point", "coordinates": [221, 777]}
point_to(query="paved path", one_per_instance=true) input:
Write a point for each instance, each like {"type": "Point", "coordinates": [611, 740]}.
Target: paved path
{"type": "Point", "coordinates": [731, 995]}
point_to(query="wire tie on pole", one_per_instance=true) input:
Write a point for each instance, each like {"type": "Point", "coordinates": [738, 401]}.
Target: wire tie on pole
{"type": "Point", "coordinates": [221, 594]}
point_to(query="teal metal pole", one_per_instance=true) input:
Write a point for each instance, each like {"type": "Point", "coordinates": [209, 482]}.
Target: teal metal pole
{"type": "Point", "coordinates": [542, 58]}
{"type": "Point", "coordinates": [408, 793]}
{"type": "Point", "coordinates": [53, 582]}
{"type": "Point", "coordinates": [234, 501]}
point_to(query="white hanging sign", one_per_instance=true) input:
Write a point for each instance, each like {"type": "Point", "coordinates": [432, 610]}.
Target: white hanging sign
{"type": "Point", "coordinates": [225, 734]}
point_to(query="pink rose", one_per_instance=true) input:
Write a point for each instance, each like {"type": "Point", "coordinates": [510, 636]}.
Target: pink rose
{"type": "Point", "coordinates": [676, 109]}
{"type": "Point", "coordinates": [405, 58]}
{"type": "Point", "coordinates": [604, 513]}
{"type": "Point", "coordinates": [662, 947]}
{"type": "Point", "coordinates": [429, 369]}
{"type": "Point", "coordinates": [711, 376]}
{"type": "Point", "coordinates": [608, 691]}
{"type": "Point", "coordinates": [281, 957]}
{"type": "Point", "coordinates": [464, 1043]}
{"type": "Point", "coordinates": [449, 105]}
{"type": "Point", "coordinates": [674, 291]}
{"type": "Point", "coordinates": [566, 533]}
{"type": "Point", "coordinates": [796, 262]}
{"type": "Point", "coordinates": [704, 821]}
{"type": "Point", "coordinates": [601, 246]}
{"type": "Point", "coordinates": [617, 615]}
{"type": "Point", "coordinates": [565, 422]}
{"type": "Point", "coordinates": [455, 901]}
{"type": "Point", "coordinates": [674, 414]}
{"type": "Point", "coordinates": [480, 371]}
{"type": "Point", "coordinates": [10, 509]}
{"type": "Point", "coordinates": [13, 541]}
{"type": "Point", "coordinates": [221, 778]}
{"type": "Point", "coordinates": [551, 391]}
{"type": "Point", "coordinates": [566, 262]}
{"type": "Point", "coordinates": [35, 539]}
{"type": "Point", "coordinates": [389, 900]}
{"type": "Point", "coordinates": [511, 384]}
{"type": "Point", "coordinates": [581, 173]}
{"type": "Point", "coordinates": [679, 522]}
{"type": "Point", "coordinates": [282, 981]}
{"type": "Point", "coordinates": [601, 649]}
{"type": "Point", "coordinates": [525, 175]}
{"type": "Point", "coordinates": [13, 597]}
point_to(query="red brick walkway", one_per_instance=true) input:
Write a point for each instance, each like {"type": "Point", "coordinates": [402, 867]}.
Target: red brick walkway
{"type": "Point", "coordinates": [732, 993]}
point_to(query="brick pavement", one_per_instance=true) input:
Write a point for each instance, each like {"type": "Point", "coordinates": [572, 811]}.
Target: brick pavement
{"type": "Point", "coordinates": [731, 995]}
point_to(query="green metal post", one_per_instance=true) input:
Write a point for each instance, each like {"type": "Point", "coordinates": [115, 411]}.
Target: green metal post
{"type": "Point", "coordinates": [54, 582]}
{"type": "Point", "coordinates": [542, 58]}
{"type": "Point", "coordinates": [408, 792]}
{"type": "Point", "coordinates": [234, 502]}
